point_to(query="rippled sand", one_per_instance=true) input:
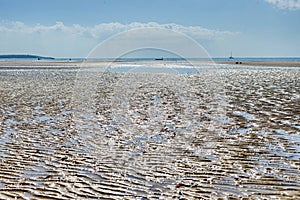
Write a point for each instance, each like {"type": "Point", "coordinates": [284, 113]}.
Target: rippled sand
{"type": "Point", "coordinates": [147, 136]}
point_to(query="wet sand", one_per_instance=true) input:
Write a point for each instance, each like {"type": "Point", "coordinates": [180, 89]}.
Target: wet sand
{"type": "Point", "coordinates": [45, 64]}
{"type": "Point", "coordinates": [72, 134]}
{"type": "Point", "coordinates": [261, 63]}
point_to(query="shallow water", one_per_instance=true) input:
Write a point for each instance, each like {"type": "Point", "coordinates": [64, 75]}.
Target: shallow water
{"type": "Point", "coordinates": [77, 134]}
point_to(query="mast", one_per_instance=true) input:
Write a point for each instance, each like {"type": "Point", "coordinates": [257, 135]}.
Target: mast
{"type": "Point", "coordinates": [230, 55]}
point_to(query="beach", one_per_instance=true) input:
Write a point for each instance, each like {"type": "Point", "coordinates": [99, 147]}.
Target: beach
{"type": "Point", "coordinates": [107, 130]}
{"type": "Point", "coordinates": [271, 63]}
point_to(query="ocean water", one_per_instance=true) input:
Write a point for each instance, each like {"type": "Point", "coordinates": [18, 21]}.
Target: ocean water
{"type": "Point", "coordinates": [169, 59]}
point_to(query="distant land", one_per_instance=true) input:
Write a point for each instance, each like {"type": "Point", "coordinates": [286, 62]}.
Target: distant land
{"type": "Point", "coordinates": [12, 56]}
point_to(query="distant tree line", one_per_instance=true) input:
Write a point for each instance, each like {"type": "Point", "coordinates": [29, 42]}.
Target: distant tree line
{"type": "Point", "coordinates": [12, 56]}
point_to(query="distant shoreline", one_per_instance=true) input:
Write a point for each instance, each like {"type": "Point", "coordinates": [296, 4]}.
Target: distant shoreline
{"type": "Point", "coordinates": [21, 56]}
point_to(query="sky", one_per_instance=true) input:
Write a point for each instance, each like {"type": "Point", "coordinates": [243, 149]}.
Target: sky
{"type": "Point", "coordinates": [75, 28]}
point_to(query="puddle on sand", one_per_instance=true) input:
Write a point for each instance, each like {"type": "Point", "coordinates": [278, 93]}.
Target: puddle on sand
{"type": "Point", "coordinates": [245, 115]}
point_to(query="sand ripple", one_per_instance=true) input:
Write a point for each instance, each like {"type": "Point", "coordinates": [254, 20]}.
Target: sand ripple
{"type": "Point", "coordinates": [150, 136]}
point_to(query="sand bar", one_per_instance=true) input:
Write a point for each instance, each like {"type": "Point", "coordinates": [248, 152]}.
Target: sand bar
{"type": "Point", "coordinates": [261, 63]}
{"type": "Point", "coordinates": [60, 64]}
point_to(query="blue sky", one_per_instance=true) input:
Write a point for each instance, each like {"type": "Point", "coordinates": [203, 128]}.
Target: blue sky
{"type": "Point", "coordinates": [72, 28]}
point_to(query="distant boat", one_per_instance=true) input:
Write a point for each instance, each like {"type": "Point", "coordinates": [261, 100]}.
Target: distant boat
{"type": "Point", "coordinates": [159, 58]}
{"type": "Point", "coordinates": [230, 57]}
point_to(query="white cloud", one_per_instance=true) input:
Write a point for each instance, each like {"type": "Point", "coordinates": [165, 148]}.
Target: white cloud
{"type": "Point", "coordinates": [77, 40]}
{"type": "Point", "coordinates": [286, 4]}
{"type": "Point", "coordinates": [104, 29]}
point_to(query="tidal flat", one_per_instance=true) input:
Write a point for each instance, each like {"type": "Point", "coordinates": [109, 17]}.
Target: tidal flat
{"type": "Point", "coordinates": [72, 133]}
